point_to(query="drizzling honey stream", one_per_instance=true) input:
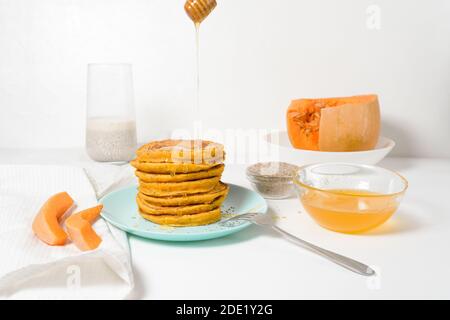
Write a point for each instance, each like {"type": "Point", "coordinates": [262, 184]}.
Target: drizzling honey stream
{"type": "Point", "coordinates": [198, 10]}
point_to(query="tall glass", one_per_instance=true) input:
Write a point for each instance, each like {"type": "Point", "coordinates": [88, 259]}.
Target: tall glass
{"type": "Point", "coordinates": [111, 119]}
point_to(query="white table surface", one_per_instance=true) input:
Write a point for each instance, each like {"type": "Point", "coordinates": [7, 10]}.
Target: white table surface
{"type": "Point", "coordinates": [410, 252]}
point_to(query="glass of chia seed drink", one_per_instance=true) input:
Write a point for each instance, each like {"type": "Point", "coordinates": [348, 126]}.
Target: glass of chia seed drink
{"type": "Point", "coordinates": [111, 119]}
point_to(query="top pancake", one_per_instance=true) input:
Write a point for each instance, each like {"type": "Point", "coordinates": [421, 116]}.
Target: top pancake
{"type": "Point", "coordinates": [181, 152]}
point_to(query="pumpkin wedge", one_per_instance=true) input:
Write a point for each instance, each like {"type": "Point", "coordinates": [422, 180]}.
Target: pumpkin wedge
{"type": "Point", "coordinates": [46, 224]}
{"type": "Point", "coordinates": [79, 227]}
{"type": "Point", "coordinates": [334, 124]}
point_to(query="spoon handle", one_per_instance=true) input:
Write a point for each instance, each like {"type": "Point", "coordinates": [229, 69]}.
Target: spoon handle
{"type": "Point", "coordinates": [345, 262]}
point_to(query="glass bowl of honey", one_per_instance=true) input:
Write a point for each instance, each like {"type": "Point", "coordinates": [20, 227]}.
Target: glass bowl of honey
{"type": "Point", "coordinates": [349, 198]}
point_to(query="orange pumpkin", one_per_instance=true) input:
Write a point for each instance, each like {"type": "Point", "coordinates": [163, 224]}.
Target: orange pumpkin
{"type": "Point", "coordinates": [334, 124]}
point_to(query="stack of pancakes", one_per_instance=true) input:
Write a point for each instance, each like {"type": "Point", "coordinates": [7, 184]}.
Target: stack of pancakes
{"type": "Point", "coordinates": [179, 182]}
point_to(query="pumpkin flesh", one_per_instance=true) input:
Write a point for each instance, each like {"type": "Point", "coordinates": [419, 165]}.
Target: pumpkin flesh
{"type": "Point", "coordinates": [334, 124]}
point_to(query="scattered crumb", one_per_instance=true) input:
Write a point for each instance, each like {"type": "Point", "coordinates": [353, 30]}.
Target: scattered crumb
{"type": "Point", "coordinates": [229, 210]}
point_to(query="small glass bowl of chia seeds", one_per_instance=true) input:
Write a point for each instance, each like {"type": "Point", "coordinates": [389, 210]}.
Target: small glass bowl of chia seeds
{"type": "Point", "coordinates": [273, 180]}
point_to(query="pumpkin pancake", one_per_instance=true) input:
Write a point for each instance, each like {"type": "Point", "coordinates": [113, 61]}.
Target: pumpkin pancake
{"type": "Point", "coordinates": [167, 189]}
{"type": "Point", "coordinates": [181, 151]}
{"type": "Point", "coordinates": [188, 220]}
{"type": "Point", "coordinates": [148, 208]}
{"type": "Point", "coordinates": [219, 190]}
{"type": "Point", "coordinates": [170, 168]}
{"type": "Point", "coordinates": [156, 177]}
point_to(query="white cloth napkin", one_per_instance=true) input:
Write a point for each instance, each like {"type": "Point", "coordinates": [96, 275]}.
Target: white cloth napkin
{"type": "Point", "coordinates": [30, 269]}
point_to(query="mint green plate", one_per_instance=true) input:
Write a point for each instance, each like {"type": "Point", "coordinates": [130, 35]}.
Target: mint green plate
{"type": "Point", "coordinates": [120, 209]}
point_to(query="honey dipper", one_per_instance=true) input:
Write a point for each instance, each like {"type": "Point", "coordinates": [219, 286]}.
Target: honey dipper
{"type": "Point", "coordinates": [198, 10]}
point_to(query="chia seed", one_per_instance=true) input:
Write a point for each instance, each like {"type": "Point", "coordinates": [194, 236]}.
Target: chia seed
{"type": "Point", "coordinates": [273, 180]}
{"type": "Point", "coordinates": [110, 140]}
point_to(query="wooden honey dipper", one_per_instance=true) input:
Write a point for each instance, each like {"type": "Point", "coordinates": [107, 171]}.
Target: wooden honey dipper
{"type": "Point", "coordinates": [198, 10]}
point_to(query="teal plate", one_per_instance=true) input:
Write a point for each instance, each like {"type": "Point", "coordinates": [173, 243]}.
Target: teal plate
{"type": "Point", "coordinates": [120, 209]}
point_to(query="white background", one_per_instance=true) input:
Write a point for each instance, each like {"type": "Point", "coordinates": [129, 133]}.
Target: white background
{"type": "Point", "coordinates": [256, 55]}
